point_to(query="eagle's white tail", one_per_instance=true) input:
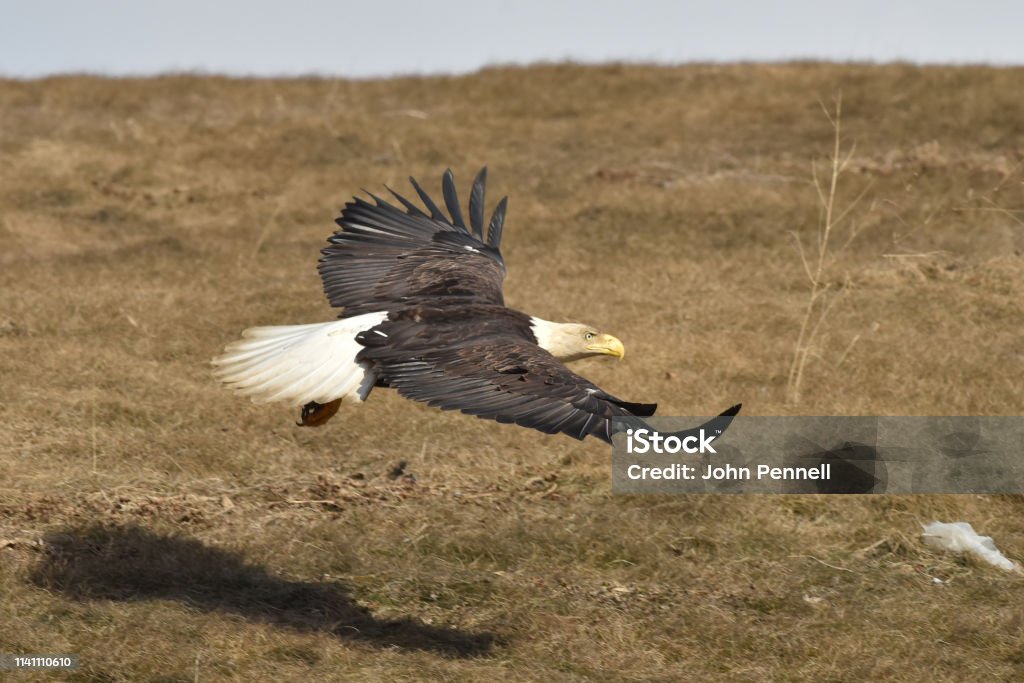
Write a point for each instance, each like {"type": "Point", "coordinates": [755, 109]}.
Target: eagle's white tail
{"type": "Point", "coordinates": [300, 363]}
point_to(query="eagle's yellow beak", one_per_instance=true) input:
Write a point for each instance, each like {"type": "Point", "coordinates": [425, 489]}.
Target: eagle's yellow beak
{"type": "Point", "coordinates": [608, 345]}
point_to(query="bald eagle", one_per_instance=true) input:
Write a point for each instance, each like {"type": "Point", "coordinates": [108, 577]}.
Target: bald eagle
{"type": "Point", "coordinates": [423, 313]}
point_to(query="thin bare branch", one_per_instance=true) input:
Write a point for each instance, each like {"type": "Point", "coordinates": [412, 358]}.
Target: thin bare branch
{"type": "Point", "coordinates": [822, 298]}
{"type": "Point", "coordinates": [817, 183]}
{"type": "Point", "coordinates": [846, 351]}
{"type": "Point", "coordinates": [803, 256]}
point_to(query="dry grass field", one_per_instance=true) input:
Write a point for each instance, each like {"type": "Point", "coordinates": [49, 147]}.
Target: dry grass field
{"type": "Point", "coordinates": [166, 530]}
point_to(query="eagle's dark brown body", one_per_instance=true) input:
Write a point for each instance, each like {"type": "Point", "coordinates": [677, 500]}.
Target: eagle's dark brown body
{"type": "Point", "coordinates": [484, 360]}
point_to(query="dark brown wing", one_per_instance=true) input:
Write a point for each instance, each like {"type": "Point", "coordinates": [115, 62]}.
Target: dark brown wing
{"type": "Point", "coordinates": [383, 256]}
{"type": "Point", "coordinates": [494, 376]}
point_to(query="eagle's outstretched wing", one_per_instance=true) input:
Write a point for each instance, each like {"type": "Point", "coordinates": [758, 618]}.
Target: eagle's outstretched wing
{"type": "Point", "coordinates": [383, 256]}
{"type": "Point", "coordinates": [498, 377]}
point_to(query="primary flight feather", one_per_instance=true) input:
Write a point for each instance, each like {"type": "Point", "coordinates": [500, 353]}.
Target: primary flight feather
{"type": "Point", "coordinates": [423, 313]}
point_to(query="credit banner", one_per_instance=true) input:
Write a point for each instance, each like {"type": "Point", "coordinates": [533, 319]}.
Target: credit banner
{"type": "Point", "coordinates": [828, 455]}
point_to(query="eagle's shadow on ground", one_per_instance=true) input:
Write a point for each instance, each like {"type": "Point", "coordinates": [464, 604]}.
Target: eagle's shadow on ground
{"type": "Point", "coordinates": [129, 563]}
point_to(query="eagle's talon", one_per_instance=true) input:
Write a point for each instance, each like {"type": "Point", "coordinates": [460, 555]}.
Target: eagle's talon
{"type": "Point", "coordinates": [317, 414]}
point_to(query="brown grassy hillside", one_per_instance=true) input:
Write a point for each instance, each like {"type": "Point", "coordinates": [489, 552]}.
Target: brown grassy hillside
{"type": "Point", "coordinates": [169, 531]}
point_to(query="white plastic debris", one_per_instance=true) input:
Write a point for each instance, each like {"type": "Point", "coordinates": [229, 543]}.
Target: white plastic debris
{"type": "Point", "coordinates": [960, 537]}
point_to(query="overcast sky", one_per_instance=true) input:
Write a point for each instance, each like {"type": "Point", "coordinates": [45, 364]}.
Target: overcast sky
{"type": "Point", "coordinates": [373, 38]}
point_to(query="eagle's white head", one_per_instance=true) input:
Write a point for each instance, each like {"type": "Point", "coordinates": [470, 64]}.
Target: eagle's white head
{"type": "Point", "coordinates": [573, 341]}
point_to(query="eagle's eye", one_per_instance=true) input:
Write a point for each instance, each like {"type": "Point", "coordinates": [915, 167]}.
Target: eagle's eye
{"type": "Point", "coordinates": [589, 336]}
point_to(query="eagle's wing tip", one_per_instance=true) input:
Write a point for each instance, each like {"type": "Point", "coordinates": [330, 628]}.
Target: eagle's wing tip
{"type": "Point", "coordinates": [732, 411]}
